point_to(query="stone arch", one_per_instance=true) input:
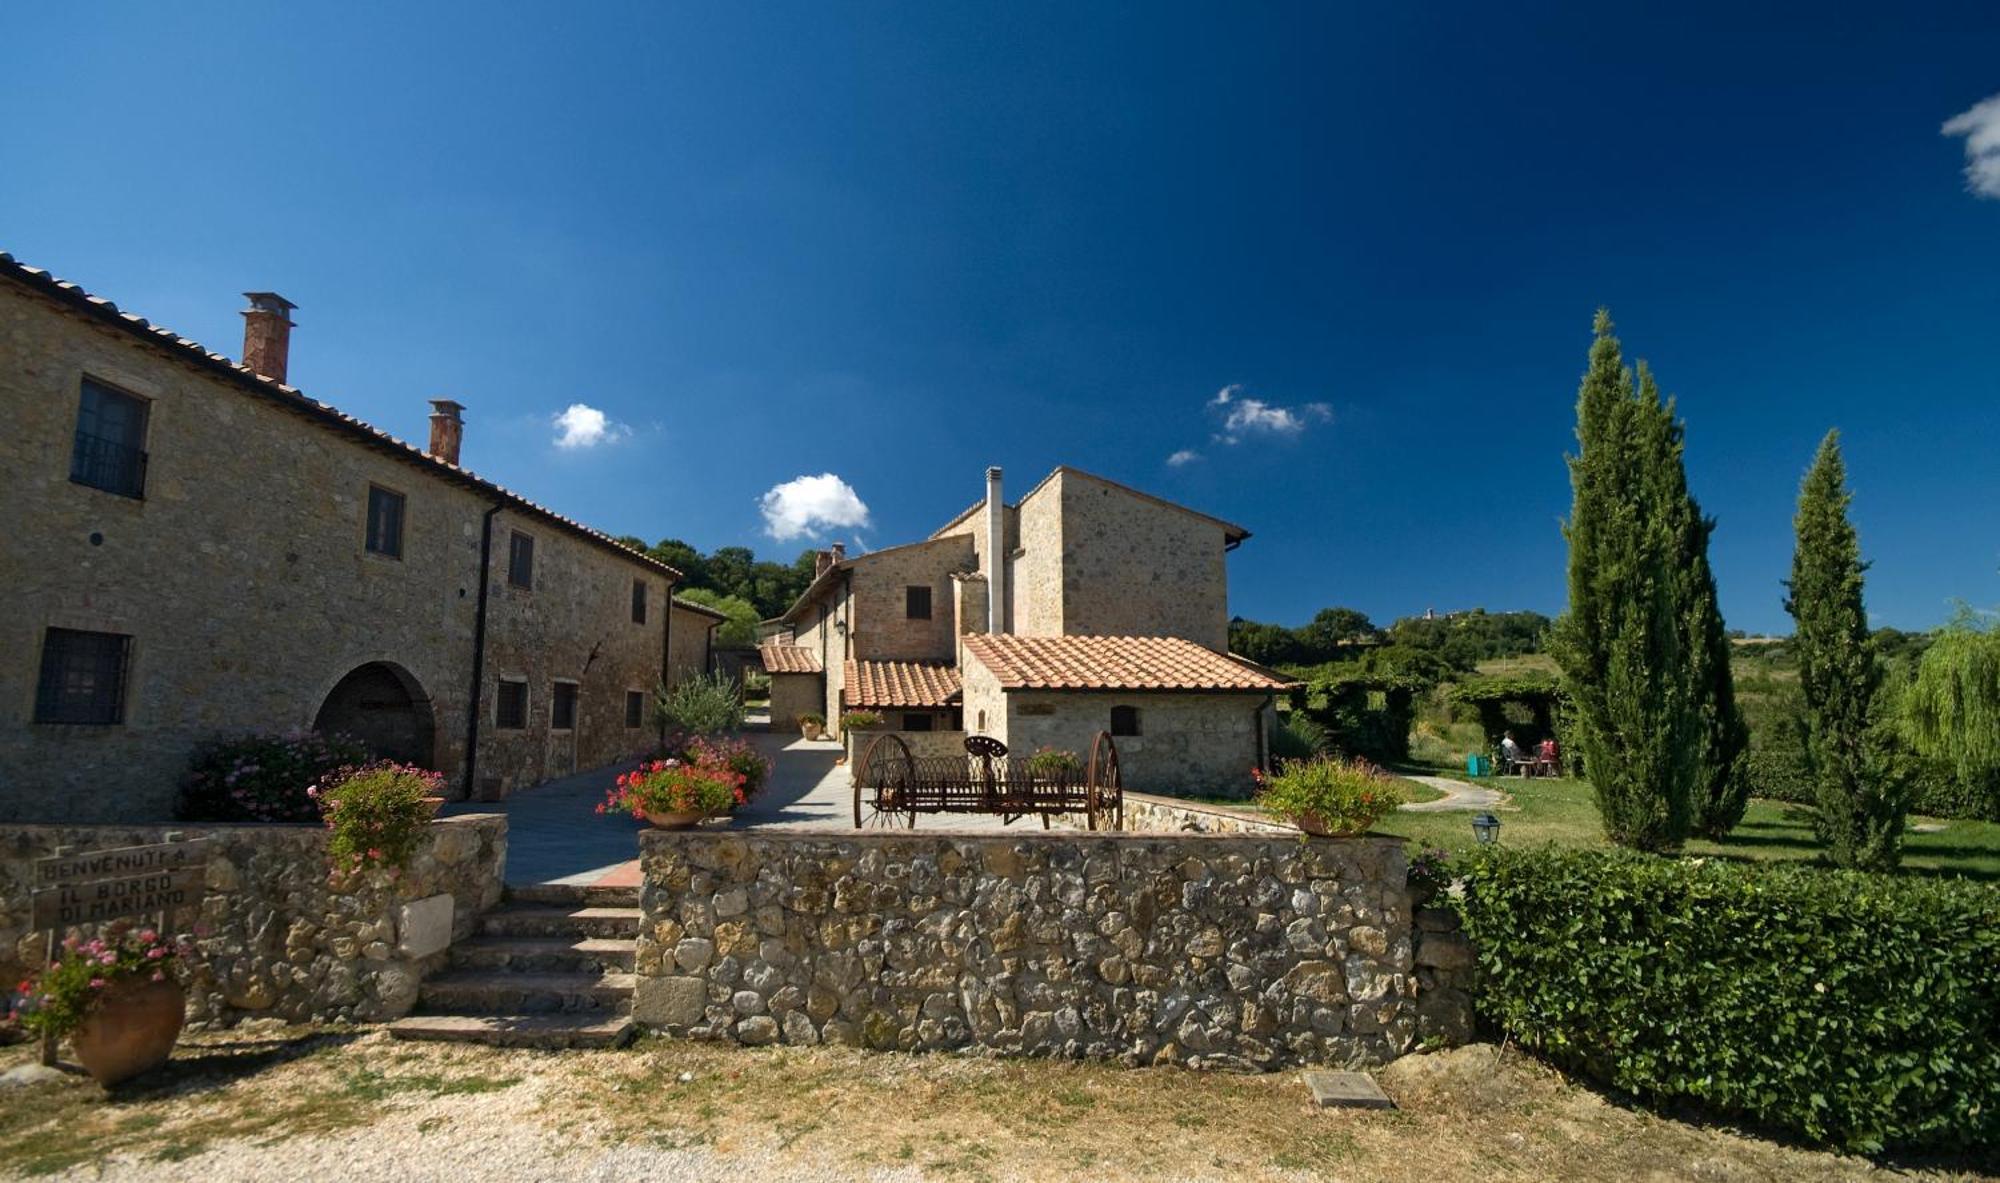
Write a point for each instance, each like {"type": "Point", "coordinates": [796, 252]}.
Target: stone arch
{"type": "Point", "coordinates": [384, 706]}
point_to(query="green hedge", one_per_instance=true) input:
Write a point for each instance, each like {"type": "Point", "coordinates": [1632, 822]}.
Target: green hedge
{"type": "Point", "coordinates": [1779, 774]}
{"type": "Point", "coordinates": [1853, 1009]}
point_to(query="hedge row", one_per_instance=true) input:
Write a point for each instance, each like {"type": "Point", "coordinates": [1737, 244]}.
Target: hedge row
{"type": "Point", "coordinates": [1853, 1009]}
{"type": "Point", "coordinates": [1779, 774]}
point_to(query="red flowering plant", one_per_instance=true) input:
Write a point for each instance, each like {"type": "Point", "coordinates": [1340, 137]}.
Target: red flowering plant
{"type": "Point", "coordinates": [676, 786]}
{"type": "Point", "coordinates": [60, 1000]}
{"type": "Point", "coordinates": [377, 812]}
{"type": "Point", "coordinates": [1326, 795]}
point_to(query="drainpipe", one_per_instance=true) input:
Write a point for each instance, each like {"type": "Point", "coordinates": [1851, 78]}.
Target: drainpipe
{"type": "Point", "coordinates": [472, 711]}
{"type": "Point", "coordinates": [1257, 717]}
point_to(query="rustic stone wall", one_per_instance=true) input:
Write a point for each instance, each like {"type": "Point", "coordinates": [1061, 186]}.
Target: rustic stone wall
{"type": "Point", "coordinates": [688, 645]}
{"type": "Point", "coordinates": [1145, 814]}
{"type": "Point", "coordinates": [793, 695]}
{"type": "Point", "coordinates": [1134, 567]}
{"type": "Point", "coordinates": [1206, 950]}
{"type": "Point", "coordinates": [1035, 575]}
{"type": "Point", "coordinates": [275, 938]}
{"type": "Point", "coordinates": [243, 578]}
{"type": "Point", "coordinates": [880, 628]}
{"type": "Point", "coordinates": [1188, 744]}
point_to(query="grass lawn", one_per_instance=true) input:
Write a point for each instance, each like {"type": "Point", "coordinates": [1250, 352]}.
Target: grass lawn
{"type": "Point", "coordinates": [1565, 812]}
{"type": "Point", "coordinates": [283, 1103]}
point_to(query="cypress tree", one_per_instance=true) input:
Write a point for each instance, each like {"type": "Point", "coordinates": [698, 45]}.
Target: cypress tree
{"type": "Point", "coordinates": [1861, 796]}
{"type": "Point", "coordinates": [1621, 642]}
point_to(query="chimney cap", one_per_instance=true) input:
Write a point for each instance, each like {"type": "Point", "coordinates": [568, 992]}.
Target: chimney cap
{"type": "Point", "coordinates": [445, 406]}
{"type": "Point", "coordinates": [269, 302]}
{"type": "Point", "coordinates": [993, 472]}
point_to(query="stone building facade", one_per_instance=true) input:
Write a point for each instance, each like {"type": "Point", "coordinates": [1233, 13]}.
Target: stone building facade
{"type": "Point", "coordinates": [199, 550]}
{"type": "Point", "coordinates": [1078, 560]}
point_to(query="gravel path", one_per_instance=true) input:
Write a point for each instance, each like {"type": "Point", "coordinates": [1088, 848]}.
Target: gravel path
{"type": "Point", "coordinates": [1458, 794]}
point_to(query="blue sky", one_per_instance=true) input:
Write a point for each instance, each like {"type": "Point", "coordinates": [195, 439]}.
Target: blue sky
{"type": "Point", "coordinates": [898, 244]}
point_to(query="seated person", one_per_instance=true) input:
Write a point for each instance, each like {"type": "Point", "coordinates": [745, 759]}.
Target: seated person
{"type": "Point", "coordinates": [1547, 760]}
{"type": "Point", "coordinates": [1511, 754]}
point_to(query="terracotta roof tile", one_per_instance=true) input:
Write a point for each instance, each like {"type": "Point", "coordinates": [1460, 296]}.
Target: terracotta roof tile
{"type": "Point", "coordinates": [900, 684]}
{"type": "Point", "coordinates": [788, 659]}
{"type": "Point", "coordinates": [1116, 663]}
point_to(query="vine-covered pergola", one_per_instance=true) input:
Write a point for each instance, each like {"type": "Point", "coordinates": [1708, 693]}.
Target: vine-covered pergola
{"type": "Point", "coordinates": [1526, 706]}
{"type": "Point", "coordinates": [1366, 713]}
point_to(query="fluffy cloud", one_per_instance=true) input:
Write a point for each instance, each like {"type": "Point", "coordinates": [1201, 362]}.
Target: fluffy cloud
{"type": "Point", "coordinates": [1981, 128]}
{"type": "Point", "coordinates": [1184, 456]}
{"type": "Point", "coordinates": [584, 426]}
{"type": "Point", "coordinates": [805, 506]}
{"type": "Point", "coordinates": [1243, 417]}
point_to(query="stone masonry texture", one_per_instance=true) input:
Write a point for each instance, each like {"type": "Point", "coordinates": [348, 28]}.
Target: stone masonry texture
{"type": "Point", "coordinates": [243, 579]}
{"type": "Point", "coordinates": [1218, 951]}
{"type": "Point", "coordinates": [274, 936]}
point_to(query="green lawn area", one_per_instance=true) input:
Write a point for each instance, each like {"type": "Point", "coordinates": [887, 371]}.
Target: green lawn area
{"type": "Point", "coordinates": [1564, 812]}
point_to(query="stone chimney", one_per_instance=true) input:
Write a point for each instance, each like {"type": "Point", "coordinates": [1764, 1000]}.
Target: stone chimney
{"type": "Point", "coordinates": [267, 334]}
{"type": "Point", "coordinates": [827, 559]}
{"type": "Point", "coordinates": [996, 554]}
{"type": "Point", "coordinates": [447, 430]}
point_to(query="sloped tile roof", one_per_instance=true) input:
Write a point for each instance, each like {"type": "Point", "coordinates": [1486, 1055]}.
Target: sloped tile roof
{"type": "Point", "coordinates": [257, 385]}
{"type": "Point", "coordinates": [701, 610]}
{"type": "Point", "coordinates": [1116, 663]}
{"type": "Point", "coordinates": [900, 684]}
{"type": "Point", "coordinates": [788, 659]}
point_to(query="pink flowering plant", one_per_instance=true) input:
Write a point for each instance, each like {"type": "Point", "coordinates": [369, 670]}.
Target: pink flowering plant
{"type": "Point", "coordinates": [263, 778]}
{"type": "Point", "coordinates": [737, 755]}
{"type": "Point", "coordinates": [377, 813]}
{"type": "Point", "coordinates": [61, 999]}
{"type": "Point", "coordinates": [676, 786]}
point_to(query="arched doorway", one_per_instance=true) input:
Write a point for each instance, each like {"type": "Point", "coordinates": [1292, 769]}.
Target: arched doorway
{"type": "Point", "coordinates": [381, 705]}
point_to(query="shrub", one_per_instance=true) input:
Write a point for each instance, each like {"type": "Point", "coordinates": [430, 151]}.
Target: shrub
{"type": "Point", "coordinates": [61, 999]}
{"type": "Point", "coordinates": [706, 704]}
{"type": "Point", "coordinates": [1297, 737]}
{"type": "Point", "coordinates": [263, 778]}
{"type": "Point", "coordinates": [1851, 1008]}
{"type": "Point", "coordinates": [1339, 796]}
{"type": "Point", "coordinates": [1054, 764]}
{"type": "Point", "coordinates": [860, 721]}
{"type": "Point", "coordinates": [675, 786]}
{"type": "Point", "coordinates": [377, 813]}
{"type": "Point", "coordinates": [811, 719]}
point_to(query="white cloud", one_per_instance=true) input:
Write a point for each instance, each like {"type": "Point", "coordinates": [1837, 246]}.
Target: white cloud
{"type": "Point", "coordinates": [1981, 128]}
{"type": "Point", "coordinates": [584, 426]}
{"type": "Point", "coordinates": [1184, 456]}
{"type": "Point", "coordinates": [1243, 417]}
{"type": "Point", "coordinates": [807, 505]}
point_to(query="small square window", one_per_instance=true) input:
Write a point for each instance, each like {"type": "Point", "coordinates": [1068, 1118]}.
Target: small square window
{"type": "Point", "coordinates": [638, 601]}
{"type": "Point", "coordinates": [511, 711]}
{"type": "Point", "coordinates": [109, 451]}
{"type": "Point", "coordinates": [521, 559]}
{"type": "Point", "coordinates": [1124, 720]}
{"type": "Point", "coordinates": [635, 708]}
{"type": "Point", "coordinates": [918, 722]}
{"type": "Point", "coordinates": [83, 677]}
{"type": "Point", "coordinates": [562, 710]}
{"type": "Point", "coordinates": [385, 522]}
{"type": "Point", "coordinates": [917, 603]}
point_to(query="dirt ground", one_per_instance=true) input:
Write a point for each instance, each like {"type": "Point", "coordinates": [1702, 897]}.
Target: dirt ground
{"type": "Point", "coordinates": [283, 1102]}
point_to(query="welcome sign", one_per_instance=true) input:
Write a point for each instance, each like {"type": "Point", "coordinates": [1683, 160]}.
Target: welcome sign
{"type": "Point", "coordinates": [102, 885]}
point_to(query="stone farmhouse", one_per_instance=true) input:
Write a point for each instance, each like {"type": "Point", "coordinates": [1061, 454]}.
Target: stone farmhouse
{"type": "Point", "coordinates": [1100, 608]}
{"type": "Point", "coordinates": [197, 549]}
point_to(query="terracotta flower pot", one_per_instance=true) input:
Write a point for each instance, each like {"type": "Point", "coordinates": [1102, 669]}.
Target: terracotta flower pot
{"type": "Point", "coordinates": [131, 1029]}
{"type": "Point", "coordinates": [674, 820]}
{"type": "Point", "coordinates": [1314, 824]}
{"type": "Point", "coordinates": [811, 730]}
{"type": "Point", "coordinates": [434, 804]}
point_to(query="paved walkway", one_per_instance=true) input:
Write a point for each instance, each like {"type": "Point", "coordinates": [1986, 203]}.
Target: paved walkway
{"type": "Point", "coordinates": [1458, 794]}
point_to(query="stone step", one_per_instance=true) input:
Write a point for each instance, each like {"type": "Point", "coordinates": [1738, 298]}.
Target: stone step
{"type": "Point", "coordinates": [572, 894]}
{"type": "Point", "coordinates": [581, 1029]}
{"type": "Point", "coordinates": [562, 954]}
{"type": "Point", "coordinates": [499, 992]}
{"type": "Point", "coordinates": [539, 921]}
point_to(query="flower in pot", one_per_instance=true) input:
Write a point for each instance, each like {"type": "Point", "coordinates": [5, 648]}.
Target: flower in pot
{"type": "Point", "coordinates": [812, 726]}
{"type": "Point", "coordinates": [1328, 796]}
{"type": "Point", "coordinates": [117, 999]}
{"type": "Point", "coordinates": [378, 813]}
{"type": "Point", "coordinates": [1055, 764]}
{"type": "Point", "coordinates": [675, 794]}
{"type": "Point", "coordinates": [737, 755]}
{"type": "Point", "coordinates": [860, 721]}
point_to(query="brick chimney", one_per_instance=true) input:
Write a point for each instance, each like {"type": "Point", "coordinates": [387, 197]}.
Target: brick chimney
{"type": "Point", "coordinates": [827, 559]}
{"type": "Point", "coordinates": [267, 334]}
{"type": "Point", "coordinates": [447, 429]}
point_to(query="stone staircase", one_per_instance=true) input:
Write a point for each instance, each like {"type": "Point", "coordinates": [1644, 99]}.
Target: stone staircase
{"type": "Point", "coordinates": [551, 967]}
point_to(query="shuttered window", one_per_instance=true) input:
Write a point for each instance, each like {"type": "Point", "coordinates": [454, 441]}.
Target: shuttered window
{"type": "Point", "coordinates": [82, 677]}
{"type": "Point", "coordinates": [638, 601]}
{"type": "Point", "coordinates": [521, 559]}
{"type": "Point", "coordinates": [385, 522]}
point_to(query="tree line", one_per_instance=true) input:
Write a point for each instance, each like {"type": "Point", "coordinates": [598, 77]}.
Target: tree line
{"type": "Point", "coordinates": [732, 580]}
{"type": "Point", "coordinates": [1431, 646]}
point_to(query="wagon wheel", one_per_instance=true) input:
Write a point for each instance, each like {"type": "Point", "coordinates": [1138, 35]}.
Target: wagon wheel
{"type": "Point", "coordinates": [1106, 787]}
{"type": "Point", "coordinates": [882, 781]}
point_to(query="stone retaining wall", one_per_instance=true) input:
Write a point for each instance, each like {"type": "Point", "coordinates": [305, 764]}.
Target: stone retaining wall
{"type": "Point", "coordinates": [1147, 814]}
{"type": "Point", "coordinates": [1206, 950]}
{"type": "Point", "coordinates": [274, 937]}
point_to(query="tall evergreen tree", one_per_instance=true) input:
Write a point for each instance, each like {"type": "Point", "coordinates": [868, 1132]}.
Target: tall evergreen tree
{"type": "Point", "coordinates": [1862, 799]}
{"type": "Point", "coordinates": [1622, 642]}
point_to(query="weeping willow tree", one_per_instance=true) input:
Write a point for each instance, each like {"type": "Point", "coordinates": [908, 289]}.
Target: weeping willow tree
{"type": "Point", "coordinates": [1952, 709]}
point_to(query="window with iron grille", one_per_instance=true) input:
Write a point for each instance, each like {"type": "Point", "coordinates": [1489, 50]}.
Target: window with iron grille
{"type": "Point", "coordinates": [917, 722]}
{"type": "Point", "coordinates": [635, 708]}
{"type": "Point", "coordinates": [385, 522]}
{"type": "Point", "coordinates": [1124, 720]}
{"type": "Point", "coordinates": [510, 711]}
{"type": "Point", "coordinates": [83, 677]}
{"type": "Point", "coordinates": [109, 452]}
{"type": "Point", "coordinates": [562, 707]}
{"type": "Point", "coordinates": [638, 601]}
{"type": "Point", "coordinates": [917, 603]}
{"type": "Point", "coordinates": [521, 559]}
